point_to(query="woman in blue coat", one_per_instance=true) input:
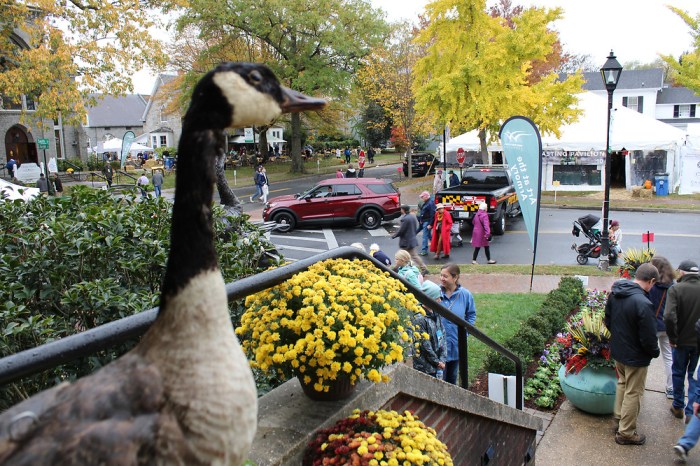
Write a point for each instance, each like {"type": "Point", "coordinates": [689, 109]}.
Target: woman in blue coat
{"type": "Point", "coordinates": [461, 303]}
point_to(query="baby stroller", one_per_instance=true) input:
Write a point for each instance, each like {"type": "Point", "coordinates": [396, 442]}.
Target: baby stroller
{"type": "Point", "coordinates": [590, 226]}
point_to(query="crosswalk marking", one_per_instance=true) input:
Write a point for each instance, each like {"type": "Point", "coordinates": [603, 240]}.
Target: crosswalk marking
{"type": "Point", "coordinates": [282, 247]}
{"type": "Point", "coordinates": [302, 238]}
{"type": "Point", "coordinates": [381, 231]}
{"type": "Point", "coordinates": [330, 238]}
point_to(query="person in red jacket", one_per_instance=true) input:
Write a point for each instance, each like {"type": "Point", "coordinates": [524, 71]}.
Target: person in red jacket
{"type": "Point", "coordinates": [440, 242]}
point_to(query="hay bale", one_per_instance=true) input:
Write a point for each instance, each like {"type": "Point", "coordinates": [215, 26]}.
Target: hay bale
{"type": "Point", "coordinates": [636, 191]}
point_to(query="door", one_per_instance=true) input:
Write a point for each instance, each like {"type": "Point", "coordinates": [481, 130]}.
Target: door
{"type": "Point", "coordinates": [346, 202]}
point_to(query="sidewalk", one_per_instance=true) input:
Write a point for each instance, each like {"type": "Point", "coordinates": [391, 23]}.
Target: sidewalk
{"type": "Point", "coordinates": [573, 437]}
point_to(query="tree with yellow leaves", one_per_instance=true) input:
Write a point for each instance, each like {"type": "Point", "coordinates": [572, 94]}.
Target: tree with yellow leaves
{"type": "Point", "coordinates": [59, 52]}
{"type": "Point", "coordinates": [476, 72]}
{"type": "Point", "coordinates": [387, 78]}
{"type": "Point", "coordinates": [687, 67]}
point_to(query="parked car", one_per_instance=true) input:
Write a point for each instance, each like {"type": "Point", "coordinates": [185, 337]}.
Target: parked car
{"type": "Point", "coordinates": [354, 201]}
{"type": "Point", "coordinates": [422, 163]}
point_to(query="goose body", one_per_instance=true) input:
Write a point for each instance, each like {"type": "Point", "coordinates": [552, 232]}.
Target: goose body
{"type": "Point", "coordinates": [185, 394]}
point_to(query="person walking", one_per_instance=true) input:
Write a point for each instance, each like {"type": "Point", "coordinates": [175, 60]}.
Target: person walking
{"type": "Point", "coordinates": [259, 180]}
{"type": "Point", "coordinates": [481, 234]}
{"type": "Point", "coordinates": [426, 218]}
{"type": "Point", "coordinates": [657, 296]}
{"type": "Point", "coordinates": [350, 173]}
{"type": "Point", "coordinates": [361, 164]}
{"type": "Point", "coordinates": [108, 173]}
{"type": "Point", "coordinates": [157, 181]}
{"type": "Point", "coordinates": [460, 302]}
{"type": "Point", "coordinates": [442, 226]}
{"type": "Point", "coordinates": [265, 188]}
{"type": "Point", "coordinates": [629, 315]}
{"type": "Point", "coordinates": [11, 166]}
{"type": "Point", "coordinates": [142, 182]}
{"type": "Point", "coordinates": [681, 313]}
{"type": "Point", "coordinates": [57, 184]}
{"type": "Point", "coordinates": [407, 237]}
{"type": "Point", "coordinates": [370, 155]}
{"type": "Point", "coordinates": [692, 430]}
{"type": "Point", "coordinates": [347, 154]}
{"type": "Point", "coordinates": [42, 184]}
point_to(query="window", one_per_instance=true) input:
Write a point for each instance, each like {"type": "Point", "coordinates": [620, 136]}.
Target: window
{"type": "Point", "coordinates": [634, 102]}
{"type": "Point", "coordinates": [154, 141]}
{"type": "Point", "coordinates": [684, 111]}
{"type": "Point", "coordinates": [575, 175]}
{"type": "Point", "coordinates": [164, 141]}
{"type": "Point", "coordinates": [163, 115]}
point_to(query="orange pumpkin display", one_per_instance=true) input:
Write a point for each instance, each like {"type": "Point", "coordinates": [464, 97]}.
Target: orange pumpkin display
{"type": "Point", "coordinates": [647, 184]}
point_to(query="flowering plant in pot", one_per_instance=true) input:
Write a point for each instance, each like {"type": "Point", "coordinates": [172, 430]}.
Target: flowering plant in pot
{"type": "Point", "coordinates": [586, 341]}
{"type": "Point", "coordinates": [632, 259]}
{"type": "Point", "coordinates": [382, 438]}
{"type": "Point", "coordinates": [338, 320]}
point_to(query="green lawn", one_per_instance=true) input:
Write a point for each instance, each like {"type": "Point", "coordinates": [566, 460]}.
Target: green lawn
{"type": "Point", "coordinates": [498, 315]}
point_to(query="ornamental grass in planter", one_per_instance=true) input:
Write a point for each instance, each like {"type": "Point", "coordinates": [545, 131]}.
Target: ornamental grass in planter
{"type": "Point", "coordinates": [338, 319]}
{"type": "Point", "coordinates": [381, 438]}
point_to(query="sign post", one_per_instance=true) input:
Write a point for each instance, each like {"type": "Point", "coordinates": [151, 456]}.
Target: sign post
{"type": "Point", "coordinates": [460, 161]}
{"type": "Point", "coordinates": [43, 143]}
{"type": "Point", "coordinates": [648, 238]}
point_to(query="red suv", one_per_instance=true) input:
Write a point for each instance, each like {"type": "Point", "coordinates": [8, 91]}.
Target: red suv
{"type": "Point", "coordinates": [363, 201]}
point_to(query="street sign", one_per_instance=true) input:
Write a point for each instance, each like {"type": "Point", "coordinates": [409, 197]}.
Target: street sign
{"type": "Point", "coordinates": [460, 156]}
{"type": "Point", "coordinates": [43, 143]}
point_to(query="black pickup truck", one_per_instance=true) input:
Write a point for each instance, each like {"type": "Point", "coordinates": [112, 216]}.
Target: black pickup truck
{"type": "Point", "coordinates": [482, 183]}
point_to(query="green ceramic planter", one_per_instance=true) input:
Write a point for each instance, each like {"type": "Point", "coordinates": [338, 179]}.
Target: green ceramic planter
{"type": "Point", "coordinates": [591, 390]}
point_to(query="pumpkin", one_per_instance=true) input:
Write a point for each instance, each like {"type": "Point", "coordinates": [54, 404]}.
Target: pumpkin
{"type": "Point", "coordinates": [647, 184]}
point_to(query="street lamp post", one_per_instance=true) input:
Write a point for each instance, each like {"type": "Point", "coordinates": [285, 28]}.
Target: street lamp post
{"type": "Point", "coordinates": [610, 72]}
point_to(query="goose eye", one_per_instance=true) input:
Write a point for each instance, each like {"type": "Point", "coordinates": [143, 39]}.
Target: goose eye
{"type": "Point", "coordinates": [255, 77]}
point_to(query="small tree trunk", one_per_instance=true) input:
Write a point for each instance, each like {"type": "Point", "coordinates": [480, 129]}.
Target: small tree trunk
{"type": "Point", "coordinates": [482, 141]}
{"type": "Point", "coordinates": [262, 142]}
{"type": "Point", "coordinates": [297, 161]}
{"type": "Point", "coordinates": [228, 198]}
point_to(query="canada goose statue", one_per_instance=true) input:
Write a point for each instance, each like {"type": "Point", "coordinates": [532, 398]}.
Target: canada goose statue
{"type": "Point", "coordinates": [185, 394]}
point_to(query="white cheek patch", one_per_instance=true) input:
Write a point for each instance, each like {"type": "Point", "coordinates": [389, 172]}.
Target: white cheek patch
{"type": "Point", "coordinates": [250, 107]}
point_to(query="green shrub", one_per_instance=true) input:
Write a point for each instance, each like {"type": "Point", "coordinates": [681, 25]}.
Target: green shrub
{"type": "Point", "coordinates": [64, 164]}
{"type": "Point", "coordinates": [540, 323]}
{"type": "Point", "coordinates": [71, 263]}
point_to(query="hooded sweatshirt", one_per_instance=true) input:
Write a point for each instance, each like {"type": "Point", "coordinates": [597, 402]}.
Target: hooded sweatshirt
{"type": "Point", "coordinates": [629, 315]}
{"type": "Point", "coordinates": [683, 310]}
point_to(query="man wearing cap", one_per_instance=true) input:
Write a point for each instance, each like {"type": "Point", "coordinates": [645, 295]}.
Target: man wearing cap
{"type": "Point", "coordinates": [681, 313]}
{"type": "Point", "coordinates": [426, 217]}
{"type": "Point", "coordinates": [407, 237]}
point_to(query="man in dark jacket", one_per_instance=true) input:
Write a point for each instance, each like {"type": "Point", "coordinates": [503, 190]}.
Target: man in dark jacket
{"type": "Point", "coordinates": [407, 237]}
{"type": "Point", "coordinates": [680, 315]}
{"type": "Point", "coordinates": [426, 217]}
{"type": "Point", "coordinates": [629, 315]}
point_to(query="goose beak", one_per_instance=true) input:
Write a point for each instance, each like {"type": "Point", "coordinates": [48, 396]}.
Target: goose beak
{"type": "Point", "coordinates": [297, 102]}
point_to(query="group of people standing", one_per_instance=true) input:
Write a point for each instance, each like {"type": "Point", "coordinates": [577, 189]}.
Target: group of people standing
{"type": "Point", "coordinates": [362, 160]}
{"type": "Point", "coordinates": [437, 227]}
{"type": "Point", "coordinates": [653, 315]}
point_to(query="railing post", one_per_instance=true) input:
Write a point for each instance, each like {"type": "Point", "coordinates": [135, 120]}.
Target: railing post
{"type": "Point", "coordinates": [463, 346]}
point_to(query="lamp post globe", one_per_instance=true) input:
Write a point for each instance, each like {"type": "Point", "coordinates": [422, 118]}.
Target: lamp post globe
{"type": "Point", "coordinates": [610, 73]}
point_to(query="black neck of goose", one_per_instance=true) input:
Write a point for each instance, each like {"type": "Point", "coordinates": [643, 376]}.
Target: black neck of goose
{"type": "Point", "coordinates": [191, 237]}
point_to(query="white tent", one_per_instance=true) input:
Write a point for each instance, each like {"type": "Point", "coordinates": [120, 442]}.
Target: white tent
{"type": "Point", "coordinates": [629, 129]}
{"type": "Point", "coordinates": [115, 145]}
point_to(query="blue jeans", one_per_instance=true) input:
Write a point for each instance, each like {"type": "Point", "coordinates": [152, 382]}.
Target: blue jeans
{"type": "Point", "coordinates": [451, 372]}
{"type": "Point", "coordinates": [258, 192]}
{"type": "Point", "coordinates": [692, 432]}
{"type": "Point", "coordinates": [685, 360]}
{"type": "Point", "coordinates": [427, 236]}
{"type": "Point", "coordinates": [157, 190]}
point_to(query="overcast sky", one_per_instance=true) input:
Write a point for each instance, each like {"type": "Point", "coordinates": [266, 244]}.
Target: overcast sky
{"type": "Point", "coordinates": [636, 30]}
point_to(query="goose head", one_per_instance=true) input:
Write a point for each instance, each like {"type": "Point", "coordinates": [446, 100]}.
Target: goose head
{"type": "Point", "coordinates": [235, 95]}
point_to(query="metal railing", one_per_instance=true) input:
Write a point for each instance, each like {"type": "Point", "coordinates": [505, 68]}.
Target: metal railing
{"type": "Point", "coordinates": [50, 355]}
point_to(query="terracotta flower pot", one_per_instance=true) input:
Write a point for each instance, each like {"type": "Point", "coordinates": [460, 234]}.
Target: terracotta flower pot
{"type": "Point", "coordinates": [591, 390]}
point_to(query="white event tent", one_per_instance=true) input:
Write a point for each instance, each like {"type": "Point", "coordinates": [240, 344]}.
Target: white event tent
{"type": "Point", "coordinates": [115, 145]}
{"type": "Point", "coordinates": [582, 145]}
